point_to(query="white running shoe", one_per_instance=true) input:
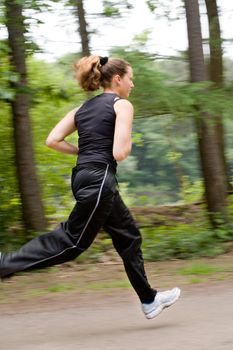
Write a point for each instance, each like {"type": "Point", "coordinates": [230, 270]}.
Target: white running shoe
{"type": "Point", "coordinates": [161, 301]}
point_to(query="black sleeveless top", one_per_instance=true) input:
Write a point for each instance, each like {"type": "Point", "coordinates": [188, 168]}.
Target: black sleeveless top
{"type": "Point", "coordinates": [95, 121]}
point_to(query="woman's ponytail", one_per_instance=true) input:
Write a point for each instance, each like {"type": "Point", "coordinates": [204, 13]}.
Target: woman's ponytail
{"type": "Point", "coordinates": [88, 72]}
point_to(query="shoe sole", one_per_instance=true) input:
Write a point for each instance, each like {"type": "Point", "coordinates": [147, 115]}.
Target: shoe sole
{"type": "Point", "coordinates": [163, 306]}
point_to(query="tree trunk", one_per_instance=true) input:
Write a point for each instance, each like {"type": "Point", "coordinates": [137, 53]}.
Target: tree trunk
{"type": "Point", "coordinates": [216, 61]}
{"type": "Point", "coordinates": [84, 35]}
{"type": "Point", "coordinates": [32, 208]}
{"type": "Point", "coordinates": [216, 72]}
{"type": "Point", "coordinates": [212, 167]}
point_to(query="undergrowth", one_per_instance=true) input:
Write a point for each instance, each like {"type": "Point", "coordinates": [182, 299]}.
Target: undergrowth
{"type": "Point", "coordinates": [171, 233]}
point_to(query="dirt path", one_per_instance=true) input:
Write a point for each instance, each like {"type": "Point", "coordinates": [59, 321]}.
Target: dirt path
{"type": "Point", "coordinates": [92, 307]}
{"type": "Point", "coordinates": [202, 320]}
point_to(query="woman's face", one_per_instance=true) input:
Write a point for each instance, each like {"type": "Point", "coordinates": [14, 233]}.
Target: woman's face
{"type": "Point", "coordinates": [125, 83]}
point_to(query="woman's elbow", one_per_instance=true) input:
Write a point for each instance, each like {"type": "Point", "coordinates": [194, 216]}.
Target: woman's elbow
{"type": "Point", "coordinates": [120, 155]}
{"type": "Point", "coordinates": [50, 142]}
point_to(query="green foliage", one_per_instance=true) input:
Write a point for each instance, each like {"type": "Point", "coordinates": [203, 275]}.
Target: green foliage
{"type": "Point", "coordinates": [6, 93]}
{"type": "Point", "coordinates": [161, 161]}
{"type": "Point", "coordinates": [9, 203]}
{"type": "Point", "coordinates": [115, 8]}
{"type": "Point", "coordinates": [142, 38]}
{"type": "Point", "coordinates": [151, 5]}
{"type": "Point", "coordinates": [183, 241]}
{"type": "Point", "coordinates": [110, 9]}
{"type": "Point", "coordinates": [191, 191]}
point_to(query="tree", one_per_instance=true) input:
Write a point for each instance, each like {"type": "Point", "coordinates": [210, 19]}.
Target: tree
{"type": "Point", "coordinates": [211, 162]}
{"type": "Point", "coordinates": [32, 207]}
{"type": "Point", "coordinates": [84, 34]}
{"type": "Point", "coordinates": [216, 69]}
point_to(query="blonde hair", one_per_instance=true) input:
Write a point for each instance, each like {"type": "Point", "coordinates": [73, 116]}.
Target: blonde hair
{"type": "Point", "coordinates": [91, 75]}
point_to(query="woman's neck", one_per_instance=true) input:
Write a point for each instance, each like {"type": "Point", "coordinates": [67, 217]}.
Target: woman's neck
{"type": "Point", "coordinates": [110, 91]}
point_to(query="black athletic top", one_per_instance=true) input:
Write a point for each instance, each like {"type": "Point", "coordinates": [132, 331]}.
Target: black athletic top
{"type": "Point", "coordinates": [95, 121]}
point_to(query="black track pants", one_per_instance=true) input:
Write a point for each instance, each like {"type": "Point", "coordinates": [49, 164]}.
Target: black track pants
{"type": "Point", "coordinates": [98, 204]}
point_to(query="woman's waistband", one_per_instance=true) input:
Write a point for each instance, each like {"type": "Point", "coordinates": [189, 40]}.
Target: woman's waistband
{"type": "Point", "coordinates": [96, 165]}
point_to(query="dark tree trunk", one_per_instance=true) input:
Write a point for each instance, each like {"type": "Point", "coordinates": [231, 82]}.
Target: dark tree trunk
{"type": "Point", "coordinates": [32, 208]}
{"type": "Point", "coordinates": [216, 61]}
{"type": "Point", "coordinates": [84, 35]}
{"type": "Point", "coordinates": [216, 71]}
{"type": "Point", "coordinates": [210, 155]}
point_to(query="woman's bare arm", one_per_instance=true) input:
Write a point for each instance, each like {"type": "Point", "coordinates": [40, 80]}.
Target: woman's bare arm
{"type": "Point", "coordinates": [56, 138]}
{"type": "Point", "coordinates": [122, 143]}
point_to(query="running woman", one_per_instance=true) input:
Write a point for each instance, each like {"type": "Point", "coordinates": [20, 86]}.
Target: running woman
{"type": "Point", "coordinates": [104, 126]}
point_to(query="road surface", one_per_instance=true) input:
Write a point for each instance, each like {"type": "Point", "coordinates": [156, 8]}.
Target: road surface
{"type": "Point", "coordinates": [201, 320]}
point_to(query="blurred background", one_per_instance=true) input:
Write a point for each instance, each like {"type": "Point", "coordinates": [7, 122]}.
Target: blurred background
{"type": "Point", "coordinates": [178, 179]}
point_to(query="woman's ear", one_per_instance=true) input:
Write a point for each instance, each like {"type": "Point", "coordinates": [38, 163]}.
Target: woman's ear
{"type": "Point", "coordinates": [117, 79]}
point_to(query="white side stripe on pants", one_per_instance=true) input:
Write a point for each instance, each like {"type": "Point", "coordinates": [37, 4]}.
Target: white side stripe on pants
{"type": "Point", "coordinates": [75, 246]}
{"type": "Point", "coordinates": [97, 202]}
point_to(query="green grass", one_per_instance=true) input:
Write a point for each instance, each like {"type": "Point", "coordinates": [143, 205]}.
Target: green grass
{"type": "Point", "coordinates": [199, 269]}
{"type": "Point", "coordinates": [195, 280]}
{"type": "Point", "coordinates": [60, 288]}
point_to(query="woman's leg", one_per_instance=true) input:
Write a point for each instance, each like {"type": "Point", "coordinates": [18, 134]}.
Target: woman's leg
{"type": "Point", "coordinates": [70, 238]}
{"type": "Point", "coordinates": [127, 241]}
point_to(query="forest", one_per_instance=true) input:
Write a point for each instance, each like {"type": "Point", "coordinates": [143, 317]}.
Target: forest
{"type": "Point", "coordinates": [177, 180]}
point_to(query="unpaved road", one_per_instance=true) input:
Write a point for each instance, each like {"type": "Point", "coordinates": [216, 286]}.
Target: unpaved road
{"type": "Point", "coordinates": [201, 320]}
